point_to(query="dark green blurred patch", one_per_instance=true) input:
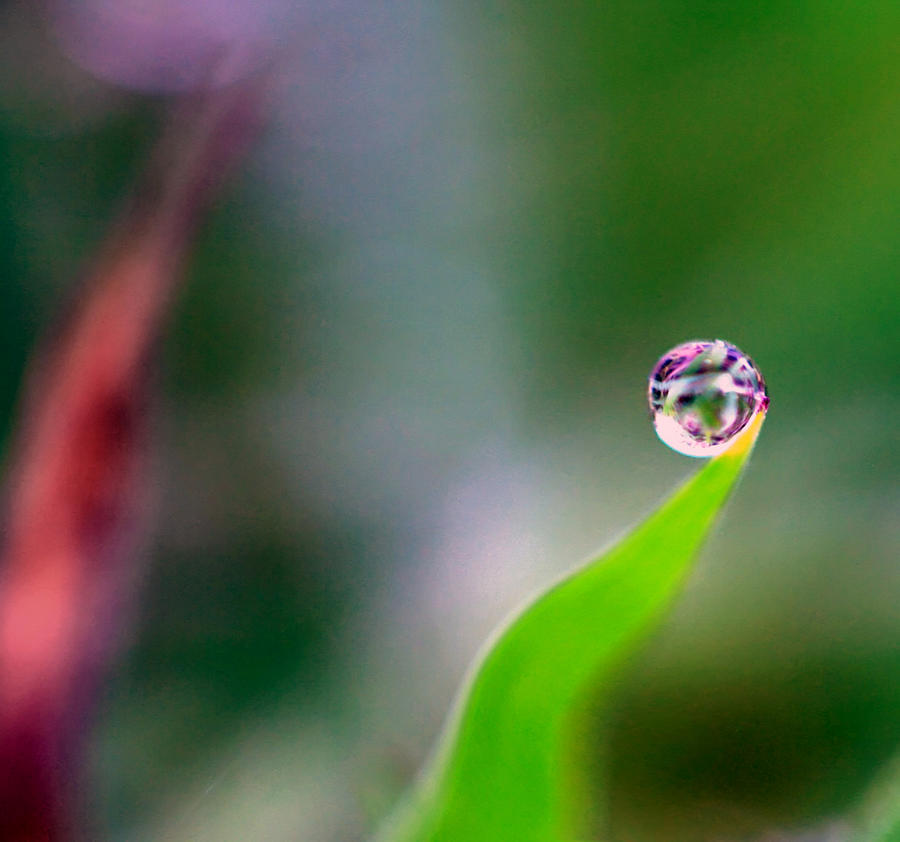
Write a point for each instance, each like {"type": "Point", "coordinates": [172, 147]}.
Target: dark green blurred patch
{"type": "Point", "coordinates": [222, 636]}
{"type": "Point", "coordinates": [770, 710]}
{"type": "Point", "coordinates": [748, 744]}
{"type": "Point", "coordinates": [713, 170]}
{"type": "Point", "coordinates": [233, 328]}
{"type": "Point", "coordinates": [67, 189]}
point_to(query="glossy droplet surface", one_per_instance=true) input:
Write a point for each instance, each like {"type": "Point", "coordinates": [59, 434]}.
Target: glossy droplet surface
{"type": "Point", "coordinates": [702, 394]}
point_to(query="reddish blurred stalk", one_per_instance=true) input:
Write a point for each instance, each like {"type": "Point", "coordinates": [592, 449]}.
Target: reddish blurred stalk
{"type": "Point", "coordinates": [76, 495]}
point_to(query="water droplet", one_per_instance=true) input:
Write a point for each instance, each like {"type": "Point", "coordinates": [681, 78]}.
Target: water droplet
{"type": "Point", "coordinates": [702, 394]}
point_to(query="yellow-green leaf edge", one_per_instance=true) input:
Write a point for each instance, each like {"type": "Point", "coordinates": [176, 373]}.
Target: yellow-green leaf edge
{"type": "Point", "coordinates": [498, 773]}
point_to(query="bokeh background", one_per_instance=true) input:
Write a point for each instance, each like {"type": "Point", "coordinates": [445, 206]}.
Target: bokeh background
{"type": "Point", "coordinates": [405, 386]}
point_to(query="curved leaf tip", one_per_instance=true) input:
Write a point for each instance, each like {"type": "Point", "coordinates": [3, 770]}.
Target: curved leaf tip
{"type": "Point", "coordinates": [503, 768]}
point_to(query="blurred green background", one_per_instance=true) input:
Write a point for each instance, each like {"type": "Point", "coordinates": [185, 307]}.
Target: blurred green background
{"type": "Point", "coordinates": [404, 387]}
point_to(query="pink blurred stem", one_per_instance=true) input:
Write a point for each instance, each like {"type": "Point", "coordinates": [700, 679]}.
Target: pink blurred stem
{"type": "Point", "coordinates": [76, 495]}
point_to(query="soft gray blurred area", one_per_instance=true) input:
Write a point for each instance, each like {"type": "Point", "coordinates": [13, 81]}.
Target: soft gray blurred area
{"type": "Point", "coordinates": [405, 389]}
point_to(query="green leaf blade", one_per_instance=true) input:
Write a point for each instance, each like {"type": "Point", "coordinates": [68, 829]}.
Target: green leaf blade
{"type": "Point", "coordinates": [499, 772]}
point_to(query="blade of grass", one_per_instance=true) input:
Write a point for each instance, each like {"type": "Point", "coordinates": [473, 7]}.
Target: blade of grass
{"type": "Point", "coordinates": [500, 770]}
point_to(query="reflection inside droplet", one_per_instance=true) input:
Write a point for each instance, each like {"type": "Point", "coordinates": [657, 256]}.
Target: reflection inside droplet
{"type": "Point", "coordinates": [702, 394]}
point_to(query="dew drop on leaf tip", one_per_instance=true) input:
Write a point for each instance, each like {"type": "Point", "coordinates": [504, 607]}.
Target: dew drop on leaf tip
{"type": "Point", "coordinates": [702, 394]}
